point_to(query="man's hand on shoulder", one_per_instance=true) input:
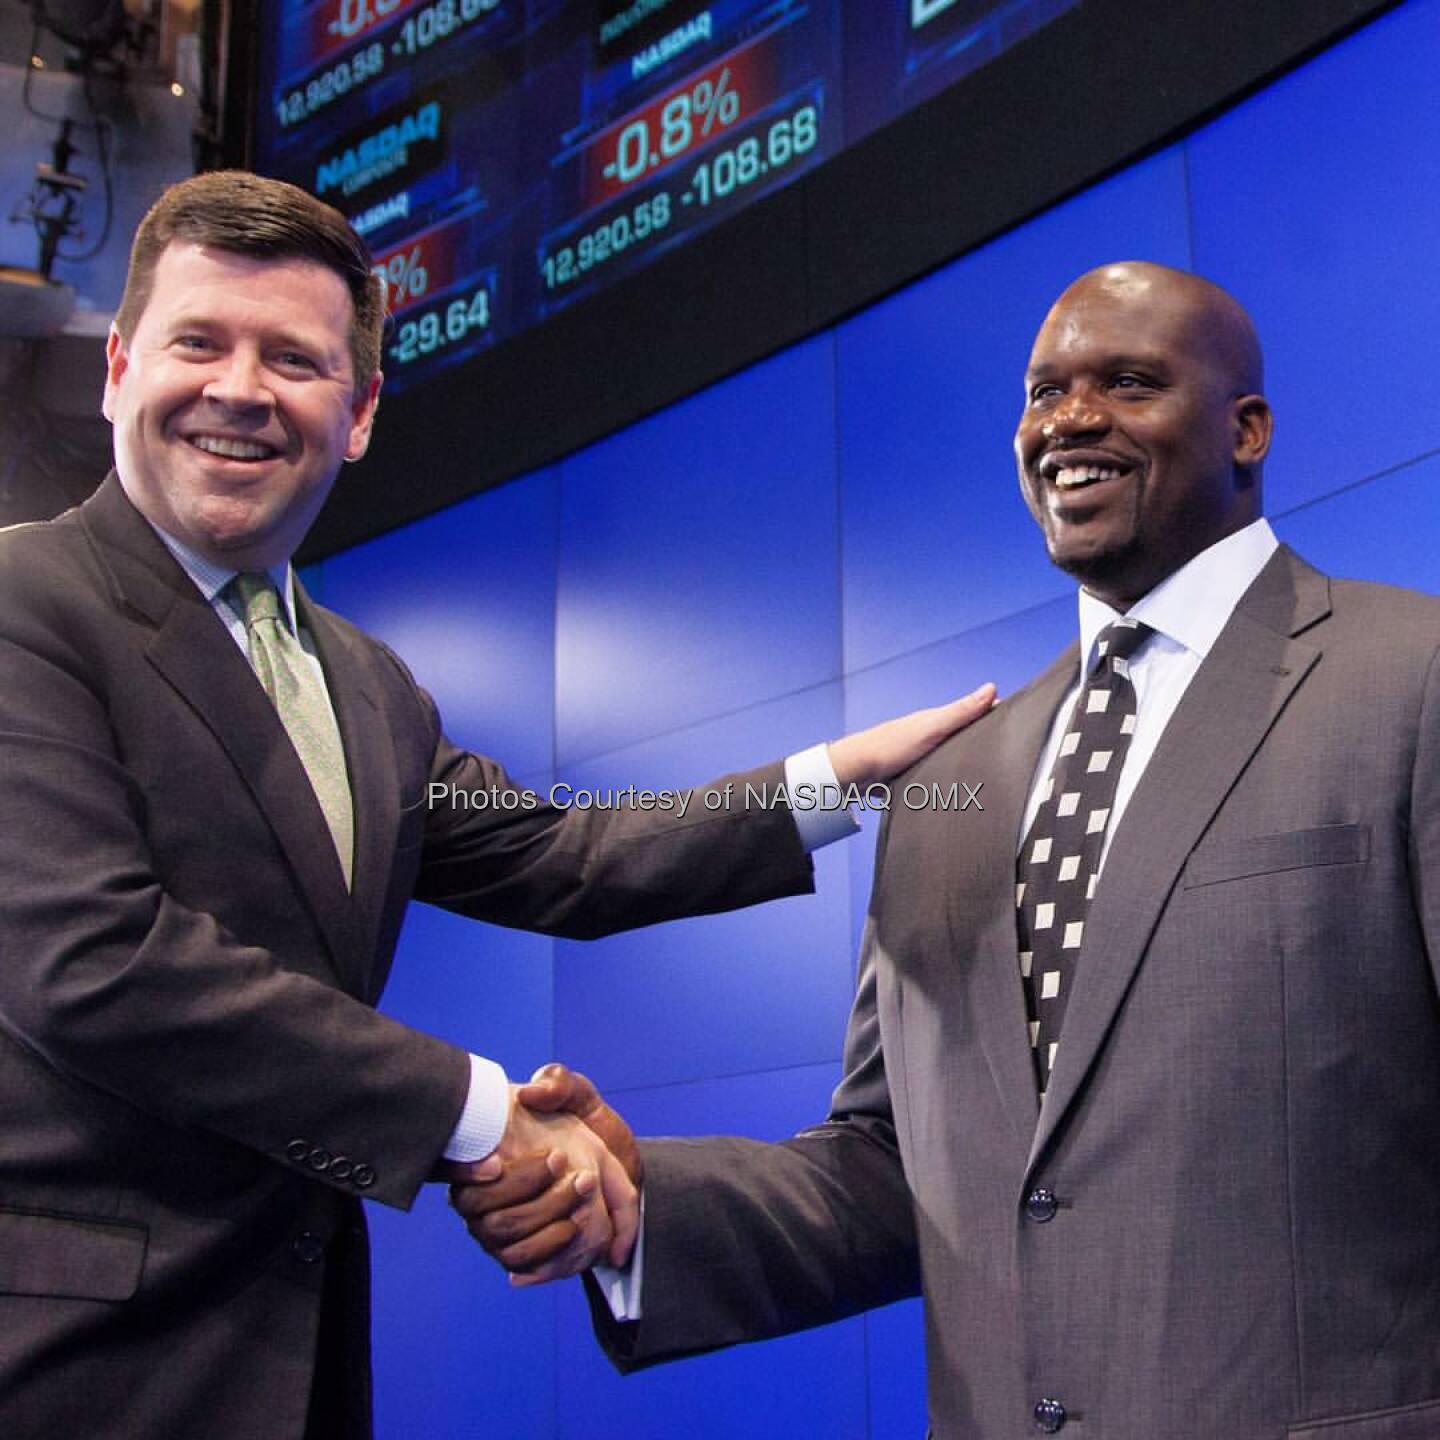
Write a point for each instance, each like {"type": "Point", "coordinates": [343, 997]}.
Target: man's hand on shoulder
{"type": "Point", "coordinates": [870, 756]}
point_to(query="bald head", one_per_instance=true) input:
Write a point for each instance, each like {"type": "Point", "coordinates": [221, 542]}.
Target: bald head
{"type": "Point", "coordinates": [1144, 428]}
{"type": "Point", "coordinates": [1218, 322]}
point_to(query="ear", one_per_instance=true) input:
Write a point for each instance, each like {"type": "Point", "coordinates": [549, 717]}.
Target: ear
{"type": "Point", "coordinates": [117, 361]}
{"type": "Point", "coordinates": [362, 417]}
{"type": "Point", "coordinates": [1254, 425]}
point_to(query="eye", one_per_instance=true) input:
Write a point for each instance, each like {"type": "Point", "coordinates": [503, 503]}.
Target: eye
{"type": "Point", "coordinates": [1129, 380]}
{"type": "Point", "coordinates": [296, 360]}
{"type": "Point", "coordinates": [1044, 391]}
{"type": "Point", "coordinates": [194, 344]}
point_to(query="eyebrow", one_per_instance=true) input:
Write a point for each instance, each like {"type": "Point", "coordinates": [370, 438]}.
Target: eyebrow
{"type": "Point", "coordinates": [1125, 360]}
{"type": "Point", "coordinates": [189, 320]}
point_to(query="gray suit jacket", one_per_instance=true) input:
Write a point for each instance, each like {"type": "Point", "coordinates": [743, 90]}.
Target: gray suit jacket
{"type": "Point", "coordinates": [196, 1090]}
{"type": "Point", "coordinates": [1242, 1134]}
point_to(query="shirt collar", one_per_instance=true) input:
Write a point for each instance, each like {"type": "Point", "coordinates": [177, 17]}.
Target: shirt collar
{"type": "Point", "coordinates": [210, 579]}
{"type": "Point", "coordinates": [1190, 607]}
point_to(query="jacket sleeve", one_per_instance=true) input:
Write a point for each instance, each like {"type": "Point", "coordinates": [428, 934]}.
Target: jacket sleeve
{"type": "Point", "coordinates": [586, 872]}
{"type": "Point", "coordinates": [746, 1240]}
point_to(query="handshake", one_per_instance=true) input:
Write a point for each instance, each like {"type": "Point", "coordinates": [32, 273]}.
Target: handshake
{"type": "Point", "coordinates": [561, 1192]}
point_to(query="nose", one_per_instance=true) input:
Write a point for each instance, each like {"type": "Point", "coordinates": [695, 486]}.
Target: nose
{"type": "Point", "coordinates": [237, 381]}
{"type": "Point", "coordinates": [1078, 413]}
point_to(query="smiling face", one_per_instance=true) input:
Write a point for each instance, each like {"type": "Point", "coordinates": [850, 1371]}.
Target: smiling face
{"type": "Point", "coordinates": [234, 401]}
{"type": "Point", "coordinates": [1142, 435]}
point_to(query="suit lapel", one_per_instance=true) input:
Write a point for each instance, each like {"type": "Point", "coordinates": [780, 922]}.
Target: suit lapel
{"type": "Point", "coordinates": [1224, 716]}
{"type": "Point", "coordinates": [370, 760]}
{"type": "Point", "coordinates": [192, 650]}
{"type": "Point", "coordinates": [1013, 736]}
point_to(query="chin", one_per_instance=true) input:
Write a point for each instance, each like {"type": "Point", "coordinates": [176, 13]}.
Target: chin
{"type": "Point", "coordinates": [239, 546]}
{"type": "Point", "coordinates": [1104, 570]}
{"type": "Point", "coordinates": [229, 522]}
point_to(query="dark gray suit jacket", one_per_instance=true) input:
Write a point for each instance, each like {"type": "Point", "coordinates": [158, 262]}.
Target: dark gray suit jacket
{"type": "Point", "coordinates": [1242, 1134]}
{"type": "Point", "coordinates": [196, 1090]}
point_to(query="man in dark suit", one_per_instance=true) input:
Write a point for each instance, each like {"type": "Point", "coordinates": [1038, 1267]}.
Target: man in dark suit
{"type": "Point", "coordinates": [1148, 1109]}
{"type": "Point", "coordinates": [217, 800]}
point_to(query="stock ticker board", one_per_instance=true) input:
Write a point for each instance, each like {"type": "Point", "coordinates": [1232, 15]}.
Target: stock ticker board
{"type": "Point", "coordinates": [503, 159]}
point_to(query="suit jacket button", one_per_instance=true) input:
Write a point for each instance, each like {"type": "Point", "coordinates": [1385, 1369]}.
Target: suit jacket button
{"type": "Point", "coordinates": [319, 1158]}
{"type": "Point", "coordinates": [342, 1168]}
{"type": "Point", "coordinates": [1040, 1206]}
{"type": "Point", "coordinates": [363, 1178]}
{"type": "Point", "coordinates": [298, 1151]}
{"type": "Point", "coordinates": [1049, 1416]}
{"type": "Point", "coordinates": [308, 1249]}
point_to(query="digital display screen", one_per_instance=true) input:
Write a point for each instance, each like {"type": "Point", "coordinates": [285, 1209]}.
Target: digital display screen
{"type": "Point", "coordinates": [504, 159]}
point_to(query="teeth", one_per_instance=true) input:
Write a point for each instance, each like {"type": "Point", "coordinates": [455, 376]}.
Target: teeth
{"type": "Point", "coordinates": [1072, 475]}
{"type": "Point", "coordinates": [231, 449]}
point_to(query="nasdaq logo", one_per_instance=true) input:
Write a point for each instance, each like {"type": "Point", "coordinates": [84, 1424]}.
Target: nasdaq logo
{"type": "Point", "coordinates": [395, 147]}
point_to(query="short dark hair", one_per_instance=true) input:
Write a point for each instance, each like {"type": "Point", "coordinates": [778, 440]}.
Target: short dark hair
{"type": "Point", "coordinates": [255, 216]}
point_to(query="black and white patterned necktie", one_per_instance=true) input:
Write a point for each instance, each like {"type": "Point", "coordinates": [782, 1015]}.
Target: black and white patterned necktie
{"type": "Point", "coordinates": [1059, 862]}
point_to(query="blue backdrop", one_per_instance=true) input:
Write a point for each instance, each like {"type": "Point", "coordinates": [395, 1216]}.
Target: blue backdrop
{"type": "Point", "coordinates": [829, 537]}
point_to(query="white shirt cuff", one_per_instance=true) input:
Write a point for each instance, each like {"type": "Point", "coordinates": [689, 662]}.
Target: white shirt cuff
{"type": "Point", "coordinates": [621, 1288]}
{"type": "Point", "coordinates": [816, 799]}
{"type": "Point", "coordinates": [487, 1110]}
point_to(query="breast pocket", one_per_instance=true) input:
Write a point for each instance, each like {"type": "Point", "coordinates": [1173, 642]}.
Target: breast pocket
{"type": "Point", "coordinates": [1221, 860]}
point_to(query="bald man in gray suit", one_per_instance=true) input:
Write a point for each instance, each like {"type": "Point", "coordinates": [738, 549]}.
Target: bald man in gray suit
{"type": "Point", "coordinates": [1209, 1204]}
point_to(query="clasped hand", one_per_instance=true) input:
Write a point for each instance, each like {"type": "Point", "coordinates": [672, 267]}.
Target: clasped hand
{"type": "Point", "coordinates": [561, 1191]}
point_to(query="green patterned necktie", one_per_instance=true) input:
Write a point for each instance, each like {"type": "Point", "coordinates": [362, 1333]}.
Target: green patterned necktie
{"type": "Point", "coordinates": [288, 676]}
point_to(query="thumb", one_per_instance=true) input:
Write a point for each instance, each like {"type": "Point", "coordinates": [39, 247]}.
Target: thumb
{"type": "Point", "coordinates": [556, 1087]}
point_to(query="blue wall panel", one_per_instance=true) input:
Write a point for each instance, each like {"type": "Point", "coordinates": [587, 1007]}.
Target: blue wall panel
{"type": "Point", "coordinates": [443, 1312]}
{"type": "Point", "coordinates": [895, 1357]}
{"type": "Point", "coordinates": [458, 1352]}
{"type": "Point", "coordinates": [801, 1387]}
{"type": "Point", "coordinates": [467, 599]}
{"type": "Point", "coordinates": [482, 987]}
{"type": "Point", "coordinates": [1385, 529]}
{"type": "Point", "coordinates": [1317, 202]}
{"type": "Point", "coordinates": [936, 537]}
{"type": "Point", "coordinates": [722, 994]}
{"type": "Point", "coordinates": [698, 563]}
